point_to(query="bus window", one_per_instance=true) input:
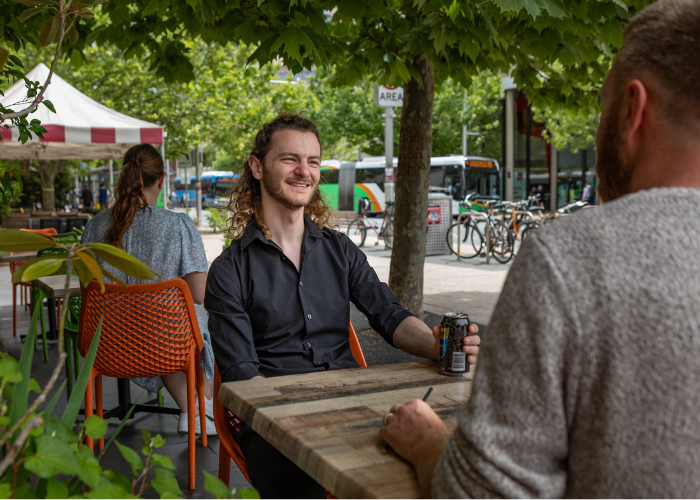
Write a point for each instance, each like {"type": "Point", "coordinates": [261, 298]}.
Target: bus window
{"type": "Point", "coordinates": [437, 177]}
{"type": "Point", "coordinates": [453, 181]}
{"type": "Point", "coordinates": [329, 175]}
{"type": "Point", "coordinates": [370, 176]}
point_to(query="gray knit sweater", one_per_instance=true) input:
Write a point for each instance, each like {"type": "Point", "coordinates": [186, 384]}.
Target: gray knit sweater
{"type": "Point", "coordinates": [588, 384]}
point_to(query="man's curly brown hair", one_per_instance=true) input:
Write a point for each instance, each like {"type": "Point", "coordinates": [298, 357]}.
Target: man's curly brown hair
{"type": "Point", "coordinates": [246, 198]}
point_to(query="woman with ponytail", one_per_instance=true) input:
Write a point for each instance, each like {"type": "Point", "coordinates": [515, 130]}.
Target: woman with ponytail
{"type": "Point", "coordinates": [167, 242]}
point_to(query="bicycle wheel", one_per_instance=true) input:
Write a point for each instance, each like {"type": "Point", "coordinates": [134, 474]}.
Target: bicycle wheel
{"type": "Point", "coordinates": [357, 232]}
{"type": "Point", "coordinates": [388, 234]}
{"type": "Point", "coordinates": [525, 233]}
{"type": "Point", "coordinates": [501, 242]}
{"type": "Point", "coordinates": [472, 241]}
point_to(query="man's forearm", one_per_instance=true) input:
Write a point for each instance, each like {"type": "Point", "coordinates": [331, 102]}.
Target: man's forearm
{"type": "Point", "coordinates": [415, 338]}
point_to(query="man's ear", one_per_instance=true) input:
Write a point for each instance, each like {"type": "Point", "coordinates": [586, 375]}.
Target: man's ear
{"type": "Point", "coordinates": [255, 166]}
{"type": "Point", "coordinates": [634, 112]}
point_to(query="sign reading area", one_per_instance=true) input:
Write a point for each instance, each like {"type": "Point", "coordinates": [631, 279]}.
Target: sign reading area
{"type": "Point", "coordinates": [388, 96]}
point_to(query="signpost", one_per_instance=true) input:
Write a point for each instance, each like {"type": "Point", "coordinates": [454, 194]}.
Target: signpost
{"type": "Point", "coordinates": [388, 97]}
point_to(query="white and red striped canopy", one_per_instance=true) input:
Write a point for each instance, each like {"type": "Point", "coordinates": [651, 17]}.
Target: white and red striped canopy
{"type": "Point", "coordinates": [81, 128]}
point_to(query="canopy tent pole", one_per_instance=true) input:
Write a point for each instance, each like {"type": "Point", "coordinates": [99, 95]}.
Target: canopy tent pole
{"type": "Point", "coordinates": [166, 184]}
{"type": "Point", "coordinates": [111, 177]}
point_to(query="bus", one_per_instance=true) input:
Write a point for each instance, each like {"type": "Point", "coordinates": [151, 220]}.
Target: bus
{"type": "Point", "coordinates": [343, 183]}
{"type": "Point", "coordinates": [216, 186]}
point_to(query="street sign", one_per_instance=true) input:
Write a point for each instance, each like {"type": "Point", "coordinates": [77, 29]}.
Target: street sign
{"type": "Point", "coordinates": [188, 160]}
{"type": "Point", "coordinates": [388, 96]}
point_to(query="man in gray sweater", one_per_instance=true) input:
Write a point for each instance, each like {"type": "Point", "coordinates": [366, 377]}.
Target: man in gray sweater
{"type": "Point", "coordinates": [586, 385]}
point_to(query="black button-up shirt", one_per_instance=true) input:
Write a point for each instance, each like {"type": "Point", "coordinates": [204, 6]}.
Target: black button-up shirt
{"type": "Point", "coordinates": [266, 318]}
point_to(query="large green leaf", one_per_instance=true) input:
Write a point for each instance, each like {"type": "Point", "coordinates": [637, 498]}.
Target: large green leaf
{"type": "Point", "coordinates": [9, 369]}
{"type": "Point", "coordinates": [87, 258]}
{"type": "Point", "coordinates": [90, 470]}
{"type": "Point", "coordinates": [95, 427]}
{"type": "Point", "coordinates": [163, 461]}
{"type": "Point", "coordinates": [165, 484]}
{"type": "Point", "coordinates": [37, 268]}
{"type": "Point", "coordinates": [131, 457]}
{"type": "Point", "coordinates": [14, 240]}
{"type": "Point", "coordinates": [21, 391]}
{"type": "Point", "coordinates": [76, 397]}
{"type": "Point", "coordinates": [216, 486]}
{"type": "Point", "coordinates": [109, 490]}
{"type": "Point", "coordinates": [52, 457]}
{"type": "Point", "coordinates": [122, 261]}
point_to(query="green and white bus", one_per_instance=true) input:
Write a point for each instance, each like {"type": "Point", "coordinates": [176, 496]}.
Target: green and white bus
{"type": "Point", "coordinates": [343, 183]}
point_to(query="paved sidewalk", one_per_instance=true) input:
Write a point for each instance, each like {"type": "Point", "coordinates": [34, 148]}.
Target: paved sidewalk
{"type": "Point", "coordinates": [468, 286]}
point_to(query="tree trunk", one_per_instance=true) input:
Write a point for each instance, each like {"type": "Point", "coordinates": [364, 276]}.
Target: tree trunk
{"type": "Point", "coordinates": [48, 170]}
{"type": "Point", "coordinates": [412, 181]}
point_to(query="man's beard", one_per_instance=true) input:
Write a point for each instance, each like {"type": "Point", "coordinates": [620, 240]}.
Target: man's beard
{"type": "Point", "coordinates": [272, 184]}
{"type": "Point", "coordinates": [612, 167]}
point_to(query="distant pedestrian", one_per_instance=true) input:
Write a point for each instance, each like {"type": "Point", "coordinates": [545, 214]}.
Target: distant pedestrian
{"type": "Point", "coordinates": [86, 197]}
{"type": "Point", "coordinates": [104, 196]}
{"type": "Point", "coordinates": [588, 194]}
{"type": "Point", "coordinates": [173, 198]}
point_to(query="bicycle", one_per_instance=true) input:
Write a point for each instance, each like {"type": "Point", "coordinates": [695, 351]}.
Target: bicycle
{"type": "Point", "coordinates": [557, 214]}
{"type": "Point", "coordinates": [357, 229]}
{"type": "Point", "coordinates": [470, 240]}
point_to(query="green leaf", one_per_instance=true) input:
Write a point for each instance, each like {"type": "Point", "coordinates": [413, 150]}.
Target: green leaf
{"type": "Point", "coordinates": [95, 427]}
{"type": "Point", "coordinates": [9, 369]}
{"type": "Point", "coordinates": [38, 268]}
{"type": "Point", "coordinates": [87, 258]}
{"type": "Point", "coordinates": [122, 261]}
{"type": "Point", "coordinates": [158, 441]}
{"type": "Point", "coordinates": [49, 105]}
{"type": "Point", "coordinates": [118, 430]}
{"type": "Point", "coordinates": [31, 12]}
{"type": "Point", "coordinates": [90, 470]}
{"type": "Point", "coordinates": [52, 457]}
{"type": "Point", "coordinates": [132, 458]}
{"type": "Point", "coordinates": [109, 490]}
{"type": "Point", "coordinates": [118, 478]}
{"type": "Point", "coordinates": [14, 240]}
{"type": "Point", "coordinates": [4, 56]}
{"type": "Point", "coordinates": [6, 490]}
{"type": "Point", "coordinates": [56, 489]}
{"type": "Point", "coordinates": [56, 429]}
{"type": "Point", "coordinates": [215, 486]}
{"type": "Point", "coordinates": [21, 390]}
{"type": "Point", "coordinates": [251, 493]}
{"type": "Point", "coordinates": [34, 386]}
{"type": "Point", "coordinates": [49, 408]}
{"type": "Point", "coordinates": [83, 272]}
{"type": "Point", "coordinates": [290, 39]}
{"type": "Point", "coordinates": [76, 397]}
{"type": "Point", "coordinates": [531, 6]}
{"type": "Point", "coordinates": [166, 484]}
{"type": "Point", "coordinates": [163, 461]}
{"type": "Point", "coordinates": [48, 32]}
{"type": "Point", "coordinates": [31, 3]}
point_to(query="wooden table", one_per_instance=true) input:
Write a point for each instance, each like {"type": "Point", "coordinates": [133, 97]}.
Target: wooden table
{"type": "Point", "coordinates": [328, 422]}
{"type": "Point", "coordinates": [16, 256]}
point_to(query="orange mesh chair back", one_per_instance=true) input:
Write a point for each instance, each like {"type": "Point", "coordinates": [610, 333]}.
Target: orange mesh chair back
{"type": "Point", "coordinates": [147, 331]}
{"type": "Point", "coordinates": [25, 284]}
{"type": "Point", "coordinates": [228, 447]}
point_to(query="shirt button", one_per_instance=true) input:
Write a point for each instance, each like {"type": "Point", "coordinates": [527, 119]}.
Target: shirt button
{"type": "Point", "coordinates": [301, 283]}
{"type": "Point", "coordinates": [308, 344]}
{"type": "Point", "coordinates": [317, 363]}
{"type": "Point", "coordinates": [308, 316]}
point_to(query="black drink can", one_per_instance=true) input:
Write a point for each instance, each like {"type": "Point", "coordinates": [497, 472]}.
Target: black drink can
{"type": "Point", "coordinates": [453, 328]}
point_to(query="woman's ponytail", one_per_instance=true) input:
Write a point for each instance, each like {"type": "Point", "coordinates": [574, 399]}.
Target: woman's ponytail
{"type": "Point", "coordinates": [142, 167]}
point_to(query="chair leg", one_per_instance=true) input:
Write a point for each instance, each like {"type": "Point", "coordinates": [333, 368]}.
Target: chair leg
{"type": "Point", "coordinates": [224, 465]}
{"type": "Point", "coordinates": [160, 397]}
{"type": "Point", "coordinates": [25, 297]}
{"type": "Point", "coordinates": [100, 410]}
{"type": "Point", "coordinates": [190, 421]}
{"type": "Point", "coordinates": [200, 391]}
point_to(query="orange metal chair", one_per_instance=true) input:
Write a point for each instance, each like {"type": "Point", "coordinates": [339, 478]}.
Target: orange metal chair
{"type": "Point", "coordinates": [228, 447]}
{"type": "Point", "coordinates": [147, 331]}
{"type": "Point", "coordinates": [26, 285]}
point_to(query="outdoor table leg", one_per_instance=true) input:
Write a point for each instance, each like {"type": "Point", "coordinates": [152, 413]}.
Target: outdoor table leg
{"type": "Point", "coordinates": [53, 330]}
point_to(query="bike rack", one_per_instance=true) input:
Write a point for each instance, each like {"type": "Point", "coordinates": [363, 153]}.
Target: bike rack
{"type": "Point", "coordinates": [485, 218]}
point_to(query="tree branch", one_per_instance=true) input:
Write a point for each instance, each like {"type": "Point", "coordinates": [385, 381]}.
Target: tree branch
{"type": "Point", "coordinates": [40, 97]}
{"type": "Point", "coordinates": [34, 423]}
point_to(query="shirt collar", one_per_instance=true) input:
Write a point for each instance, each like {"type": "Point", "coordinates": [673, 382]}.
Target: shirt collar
{"type": "Point", "coordinates": [253, 232]}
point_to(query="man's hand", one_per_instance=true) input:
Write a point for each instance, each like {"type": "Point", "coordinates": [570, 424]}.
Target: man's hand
{"type": "Point", "coordinates": [418, 434]}
{"type": "Point", "coordinates": [471, 343]}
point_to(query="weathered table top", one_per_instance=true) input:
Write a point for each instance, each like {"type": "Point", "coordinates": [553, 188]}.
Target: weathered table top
{"type": "Point", "coordinates": [16, 256]}
{"type": "Point", "coordinates": [328, 422]}
{"type": "Point", "coordinates": [53, 286]}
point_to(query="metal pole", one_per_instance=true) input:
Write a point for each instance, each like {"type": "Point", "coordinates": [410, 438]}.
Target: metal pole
{"type": "Point", "coordinates": [464, 127]}
{"type": "Point", "coordinates": [528, 148]}
{"type": "Point", "coordinates": [198, 157]}
{"type": "Point", "coordinates": [111, 176]}
{"type": "Point", "coordinates": [553, 178]}
{"type": "Point", "coordinates": [164, 191]}
{"type": "Point", "coordinates": [389, 151]}
{"type": "Point", "coordinates": [510, 142]}
{"type": "Point", "coordinates": [584, 160]}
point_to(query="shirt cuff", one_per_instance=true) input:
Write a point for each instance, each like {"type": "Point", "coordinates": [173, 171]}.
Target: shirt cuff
{"type": "Point", "coordinates": [242, 371]}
